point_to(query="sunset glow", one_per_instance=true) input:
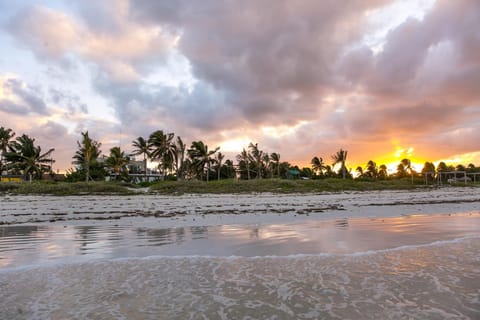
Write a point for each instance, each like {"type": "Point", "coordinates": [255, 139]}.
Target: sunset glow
{"type": "Point", "coordinates": [385, 80]}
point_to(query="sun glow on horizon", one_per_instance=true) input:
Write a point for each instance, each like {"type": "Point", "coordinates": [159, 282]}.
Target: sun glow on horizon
{"type": "Point", "coordinates": [234, 145]}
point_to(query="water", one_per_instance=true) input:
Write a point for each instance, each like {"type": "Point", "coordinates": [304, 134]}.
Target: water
{"type": "Point", "coordinates": [409, 267]}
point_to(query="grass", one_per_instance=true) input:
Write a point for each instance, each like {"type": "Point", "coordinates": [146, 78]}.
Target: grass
{"type": "Point", "coordinates": [65, 188]}
{"type": "Point", "coordinates": [279, 186]}
{"type": "Point", "coordinates": [214, 187]}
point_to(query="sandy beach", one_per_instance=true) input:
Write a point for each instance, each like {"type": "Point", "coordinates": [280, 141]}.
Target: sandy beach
{"type": "Point", "coordinates": [351, 255]}
{"type": "Point", "coordinates": [209, 210]}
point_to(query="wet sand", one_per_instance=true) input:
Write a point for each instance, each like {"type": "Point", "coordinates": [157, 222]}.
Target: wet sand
{"type": "Point", "coordinates": [426, 279]}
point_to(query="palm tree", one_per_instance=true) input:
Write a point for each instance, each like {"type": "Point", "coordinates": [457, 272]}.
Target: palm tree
{"type": "Point", "coordinates": [219, 158]}
{"type": "Point", "coordinates": [256, 155]}
{"type": "Point", "coordinates": [401, 171]}
{"type": "Point", "coordinates": [341, 157]}
{"type": "Point", "coordinates": [142, 146]}
{"type": "Point", "coordinates": [276, 157]}
{"type": "Point", "coordinates": [180, 149]}
{"type": "Point", "coordinates": [317, 165]}
{"type": "Point", "coordinates": [360, 171]}
{"type": "Point", "coordinates": [329, 172]}
{"type": "Point", "coordinates": [28, 158]}
{"type": "Point", "coordinates": [5, 136]}
{"type": "Point", "coordinates": [244, 158]}
{"type": "Point", "coordinates": [117, 161]}
{"type": "Point", "coordinates": [267, 163]}
{"type": "Point", "coordinates": [163, 148]}
{"type": "Point", "coordinates": [372, 170]}
{"type": "Point", "coordinates": [382, 171]}
{"type": "Point", "coordinates": [407, 164]}
{"type": "Point", "coordinates": [87, 153]}
{"type": "Point", "coordinates": [201, 156]}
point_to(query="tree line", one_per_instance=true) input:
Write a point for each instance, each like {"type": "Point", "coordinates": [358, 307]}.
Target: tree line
{"type": "Point", "coordinates": [174, 160]}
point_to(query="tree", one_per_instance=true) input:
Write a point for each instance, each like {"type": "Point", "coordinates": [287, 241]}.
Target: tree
{"type": "Point", "coordinates": [142, 147]}
{"type": "Point", "coordinates": [407, 164]}
{"type": "Point", "coordinates": [428, 170]}
{"type": "Point", "coordinates": [317, 165]}
{"type": "Point", "coordinates": [201, 156]}
{"type": "Point", "coordinates": [442, 167]}
{"type": "Point", "coordinates": [267, 164]}
{"type": "Point", "coordinates": [117, 161]}
{"type": "Point", "coordinates": [359, 171]}
{"type": "Point", "coordinates": [219, 158]}
{"type": "Point", "coordinates": [243, 161]}
{"type": "Point", "coordinates": [471, 168]}
{"type": "Point", "coordinates": [256, 155]}
{"type": "Point", "coordinates": [180, 149]}
{"type": "Point", "coordinates": [87, 154]}
{"type": "Point", "coordinates": [340, 158]}
{"type": "Point", "coordinates": [27, 158]}
{"type": "Point", "coordinates": [228, 169]}
{"type": "Point", "coordinates": [382, 171]}
{"type": "Point", "coordinates": [163, 149]}
{"type": "Point", "coordinates": [276, 157]}
{"type": "Point", "coordinates": [329, 172]}
{"type": "Point", "coordinates": [5, 136]}
{"type": "Point", "coordinates": [401, 171]}
{"type": "Point", "coordinates": [372, 170]}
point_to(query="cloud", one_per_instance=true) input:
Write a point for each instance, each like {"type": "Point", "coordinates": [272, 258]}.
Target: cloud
{"type": "Point", "coordinates": [124, 53]}
{"type": "Point", "coordinates": [260, 69]}
{"type": "Point", "coordinates": [19, 98]}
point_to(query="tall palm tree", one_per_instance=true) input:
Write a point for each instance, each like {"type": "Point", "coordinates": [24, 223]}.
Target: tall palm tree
{"type": "Point", "coordinates": [180, 149]}
{"type": "Point", "coordinates": [87, 153]}
{"type": "Point", "coordinates": [117, 161]}
{"type": "Point", "coordinates": [142, 147]}
{"type": "Point", "coordinates": [201, 156]}
{"type": "Point", "coordinates": [5, 136]}
{"type": "Point", "coordinates": [163, 149]}
{"type": "Point", "coordinates": [28, 158]}
{"type": "Point", "coordinates": [317, 165]}
{"type": "Point", "coordinates": [219, 158]}
{"type": "Point", "coordinates": [256, 155]}
{"type": "Point", "coordinates": [340, 158]}
{"type": "Point", "coordinates": [276, 157]}
{"type": "Point", "coordinates": [243, 157]}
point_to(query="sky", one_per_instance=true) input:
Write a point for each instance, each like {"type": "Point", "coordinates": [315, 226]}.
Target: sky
{"type": "Point", "coordinates": [383, 79]}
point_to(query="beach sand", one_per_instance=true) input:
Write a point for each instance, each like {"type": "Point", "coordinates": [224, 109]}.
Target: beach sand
{"type": "Point", "coordinates": [161, 211]}
{"type": "Point", "coordinates": [350, 255]}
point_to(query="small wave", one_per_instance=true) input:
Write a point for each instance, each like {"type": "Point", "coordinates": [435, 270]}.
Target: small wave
{"type": "Point", "coordinates": [64, 263]}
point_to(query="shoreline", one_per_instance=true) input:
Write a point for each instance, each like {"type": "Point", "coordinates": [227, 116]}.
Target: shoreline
{"type": "Point", "coordinates": [163, 211]}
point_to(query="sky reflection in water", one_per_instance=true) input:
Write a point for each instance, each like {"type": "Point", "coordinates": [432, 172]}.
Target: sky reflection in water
{"type": "Point", "coordinates": [27, 245]}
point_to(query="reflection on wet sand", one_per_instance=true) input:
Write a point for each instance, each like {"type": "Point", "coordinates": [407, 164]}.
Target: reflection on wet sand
{"type": "Point", "coordinates": [24, 245]}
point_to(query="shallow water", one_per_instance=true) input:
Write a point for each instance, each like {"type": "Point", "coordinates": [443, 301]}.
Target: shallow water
{"type": "Point", "coordinates": [410, 267]}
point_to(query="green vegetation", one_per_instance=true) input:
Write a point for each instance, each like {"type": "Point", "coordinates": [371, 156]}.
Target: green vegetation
{"type": "Point", "coordinates": [65, 188]}
{"type": "Point", "coordinates": [281, 186]}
